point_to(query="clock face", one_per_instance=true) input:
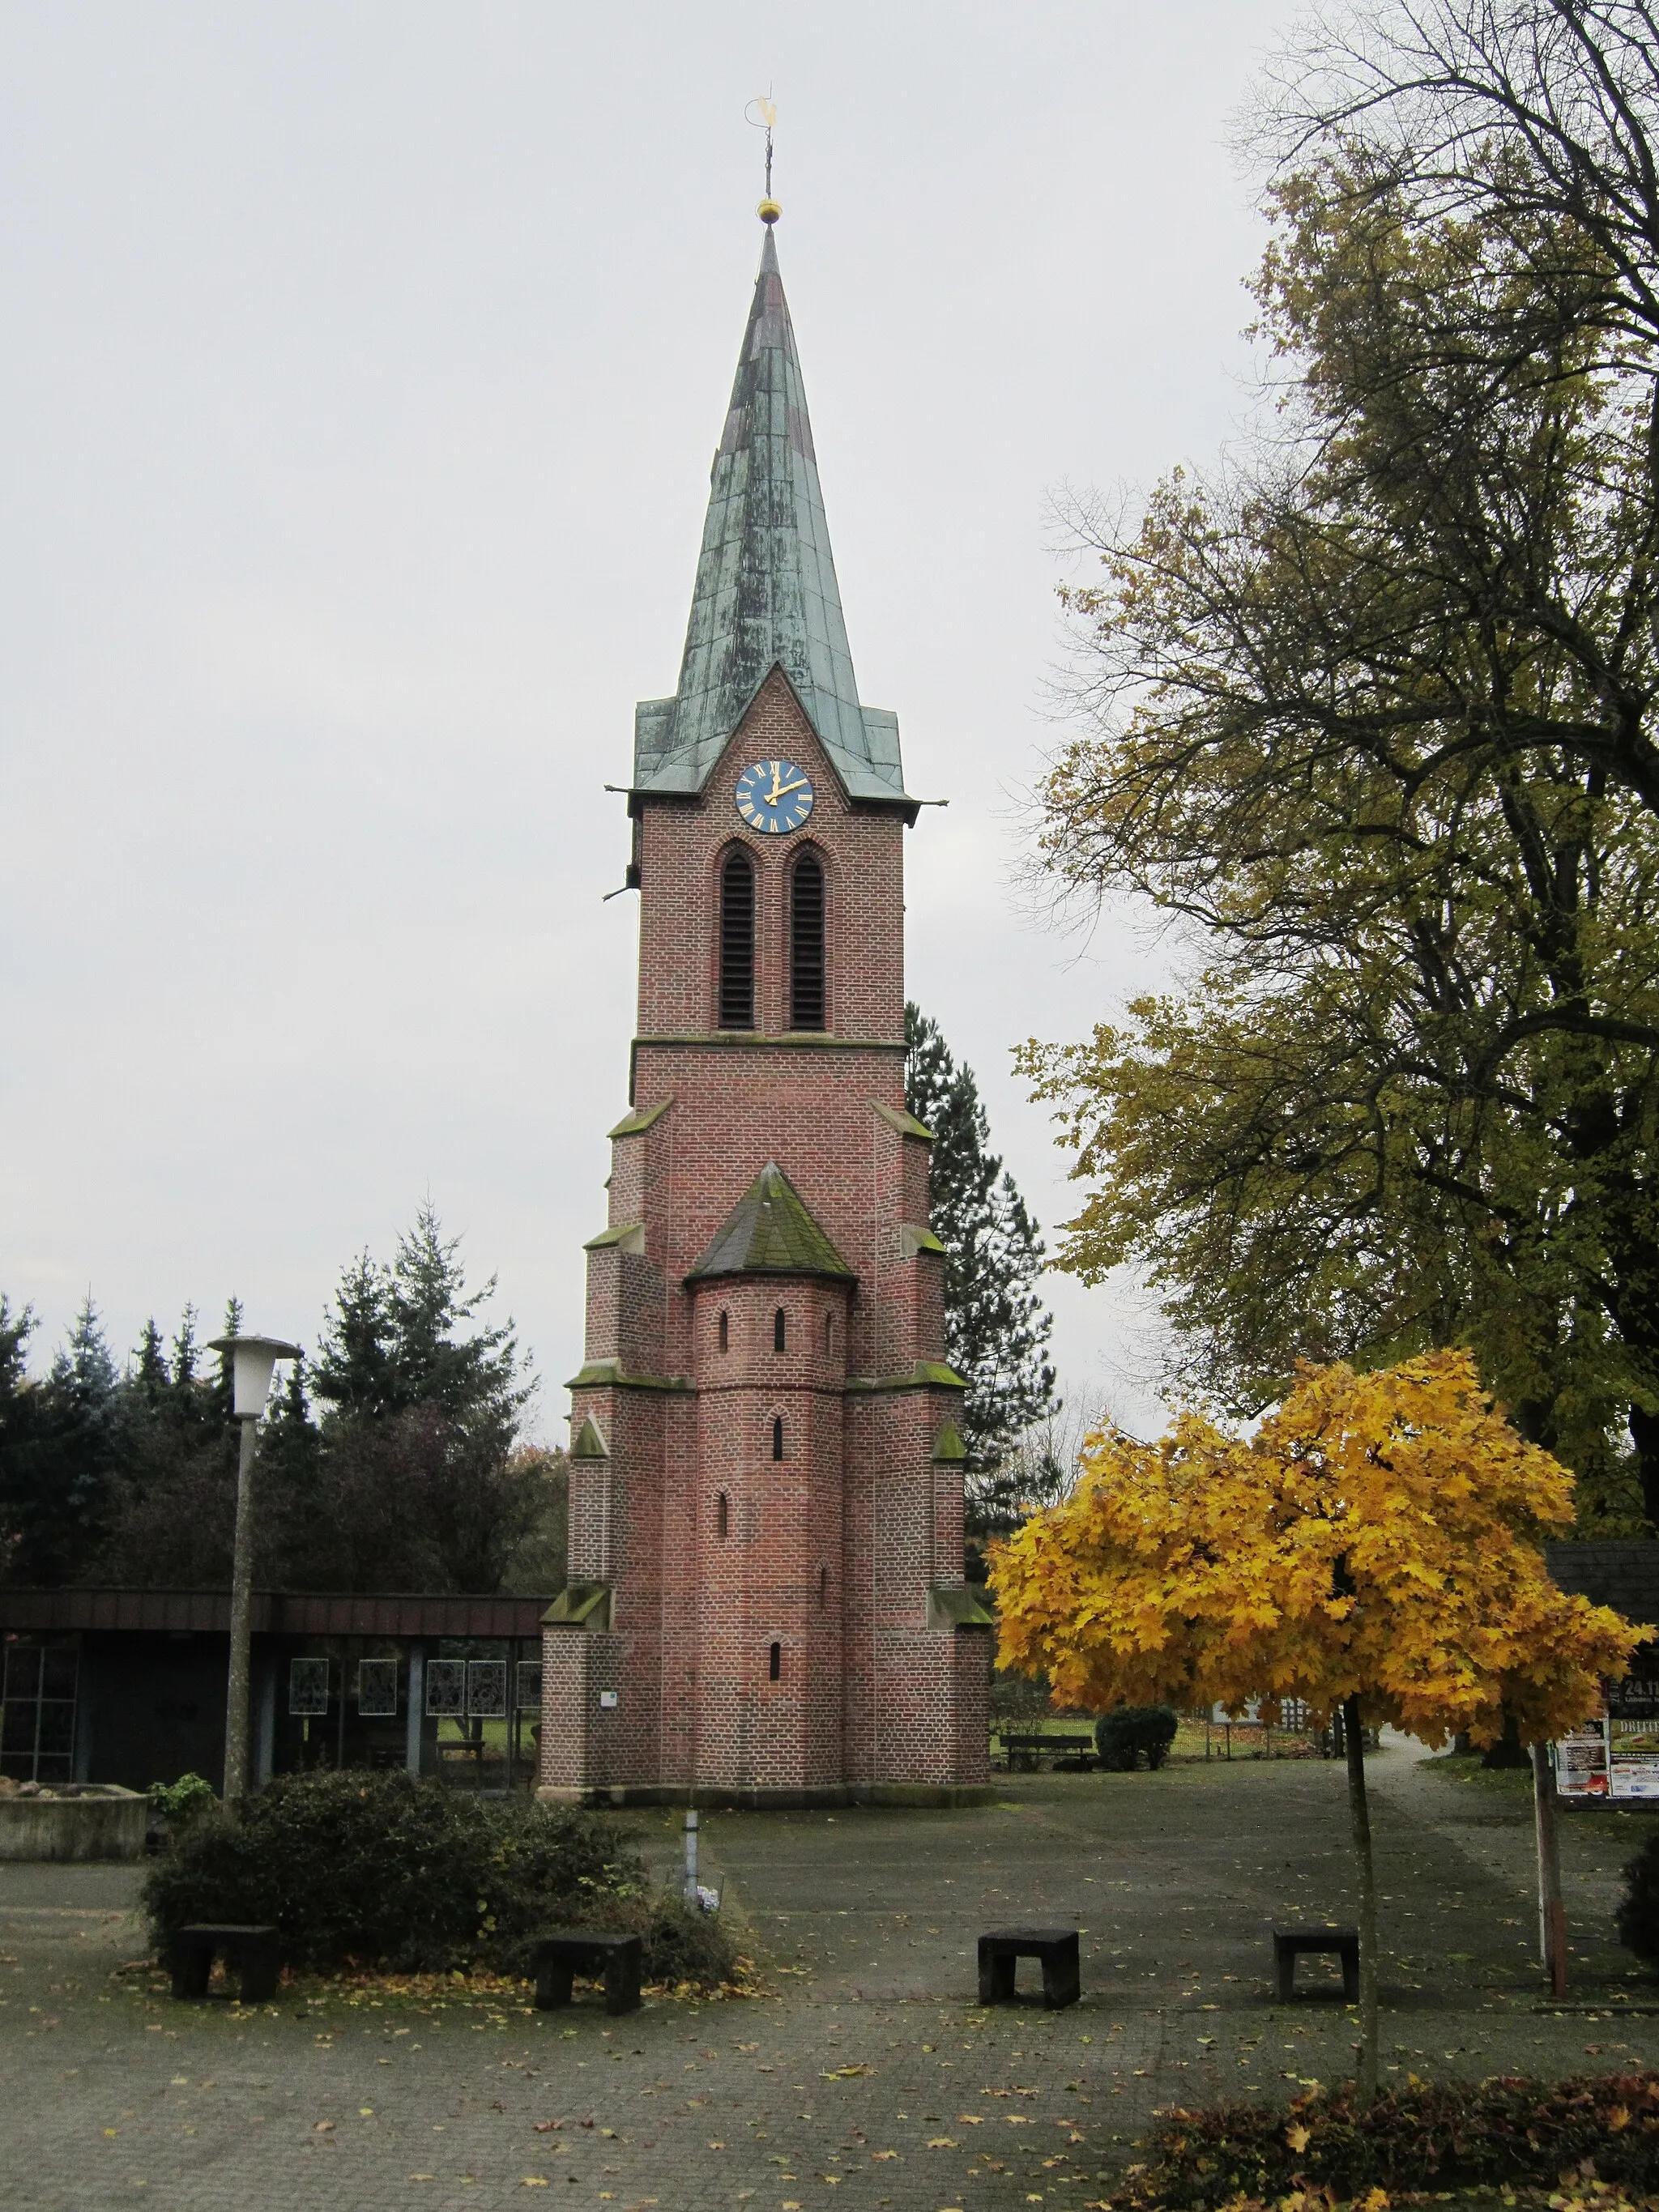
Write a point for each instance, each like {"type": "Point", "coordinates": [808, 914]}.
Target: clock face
{"type": "Point", "coordinates": [774, 796]}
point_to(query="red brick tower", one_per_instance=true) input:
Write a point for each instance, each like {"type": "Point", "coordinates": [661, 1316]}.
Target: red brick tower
{"type": "Point", "coordinates": [766, 1599]}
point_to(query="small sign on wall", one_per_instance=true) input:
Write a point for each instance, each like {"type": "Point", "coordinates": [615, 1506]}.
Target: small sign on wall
{"type": "Point", "coordinates": [608, 1700]}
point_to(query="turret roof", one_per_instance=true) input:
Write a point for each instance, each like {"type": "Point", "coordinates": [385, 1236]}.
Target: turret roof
{"type": "Point", "coordinates": [770, 1232]}
{"type": "Point", "coordinates": [766, 594]}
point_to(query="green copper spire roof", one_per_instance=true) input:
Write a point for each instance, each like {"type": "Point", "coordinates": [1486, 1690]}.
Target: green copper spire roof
{"type": "Point", "coordinates": [766, 594]}
{"type": "Point", "coordinates": [770, 1232]}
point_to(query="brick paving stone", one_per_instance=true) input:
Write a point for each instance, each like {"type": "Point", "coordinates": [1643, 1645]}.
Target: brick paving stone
{"type": "Point", "coordinates": [116, 2096]}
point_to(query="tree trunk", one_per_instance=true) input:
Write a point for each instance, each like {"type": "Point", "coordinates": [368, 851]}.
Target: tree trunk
{"type": "Point", "coordinates": [1353, 1736]}
{"type": "Point", "coordinates": [1551, 1913]}
{"type": "Point", "coordinates": [1644, 1435]}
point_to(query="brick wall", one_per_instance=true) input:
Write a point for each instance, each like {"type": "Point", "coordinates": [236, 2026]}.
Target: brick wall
{"type": "Point", "coordinates": [828, 1553]}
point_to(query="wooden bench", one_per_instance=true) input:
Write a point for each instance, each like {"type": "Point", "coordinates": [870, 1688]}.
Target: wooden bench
{"type": "Point", "coordinates": [559, 1959]}
{"type": "Point", "coordinates": [1023, 1753]}
{"type": "Point", "coordinates": [1291, 1943]}
{"type": "Point", "coordinates": [1056, 1948]}
{"type": "Point", "coordinates": [250, 1951]}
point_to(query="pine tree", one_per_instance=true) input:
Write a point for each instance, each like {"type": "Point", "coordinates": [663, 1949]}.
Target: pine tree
{"type": "Point", "coordinates": [417, 1485]}
{"type": "Point", "coordinates": [173, 1496]}
{"type": "Point", "coordinates": [996, 1326]}
{"type": "Point", "coordinates": [19, 1410]}
{"type": "Point", "coordinates": [60, 1448]}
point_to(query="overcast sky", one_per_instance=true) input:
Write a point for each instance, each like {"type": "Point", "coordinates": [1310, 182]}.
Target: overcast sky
{"type": "Point", "coordinates": [362, 370]}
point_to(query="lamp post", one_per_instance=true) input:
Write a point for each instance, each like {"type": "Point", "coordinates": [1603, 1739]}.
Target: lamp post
{"type": "Point", "coordinates": [253, 1361]}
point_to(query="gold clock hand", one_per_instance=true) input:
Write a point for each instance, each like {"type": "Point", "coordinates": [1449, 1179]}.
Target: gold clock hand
{"type": "Point", "coordinates": [777, 777]}
{"type": "Point", "coordinates": [800, 785]}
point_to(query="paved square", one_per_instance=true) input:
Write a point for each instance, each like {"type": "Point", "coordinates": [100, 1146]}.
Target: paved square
{"type": "Point", "coordinates": [872, 2078]}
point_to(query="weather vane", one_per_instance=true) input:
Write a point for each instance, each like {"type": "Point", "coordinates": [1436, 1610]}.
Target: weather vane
{"type": "Point", "coordinates": [763, 114]}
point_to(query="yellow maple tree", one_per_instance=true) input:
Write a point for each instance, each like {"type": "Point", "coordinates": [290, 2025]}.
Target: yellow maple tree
{"type": "Point", "coordinates": [1372, 1550]}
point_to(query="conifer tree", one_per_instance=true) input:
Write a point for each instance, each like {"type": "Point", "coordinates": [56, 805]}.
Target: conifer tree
{"type": "Point", "coordinates": [60, 1448]}
{"type": "Point", "coordinates": [417, 1485]}
{"type": "Point", "coordinates": [996, 1326]}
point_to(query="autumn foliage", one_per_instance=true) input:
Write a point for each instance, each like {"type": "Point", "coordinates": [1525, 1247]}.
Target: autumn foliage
{"type": "Point", "coordinates": [1502, 2132]}
{"type": "Point", "coordinates": [1377, 1537]}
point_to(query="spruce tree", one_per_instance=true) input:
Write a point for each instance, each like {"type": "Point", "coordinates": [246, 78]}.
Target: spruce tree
{"type": "Point", "coordinates": [417, 1483]}
{"type": "Point", "coordinates": [61, 1441]}
{"type": "Point", "coordinates": [172, 1503]}
{"type": "Point", "coordinates": [996, 1326]}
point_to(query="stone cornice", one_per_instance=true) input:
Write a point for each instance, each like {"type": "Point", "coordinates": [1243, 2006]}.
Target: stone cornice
{"type": "Point", "coordinates": [926, 1375]}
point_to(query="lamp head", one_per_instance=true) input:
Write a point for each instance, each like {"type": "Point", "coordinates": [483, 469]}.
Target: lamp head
{"type": "Point", "coordinates": [252, 1362]}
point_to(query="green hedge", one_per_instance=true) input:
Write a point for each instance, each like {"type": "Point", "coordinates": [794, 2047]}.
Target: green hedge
{"type": "Point", "coordinates": [382, 1869]}
{"type": "Point", "coordinates": [1429, 2136]}
{"type": "Point", "coordinates": [1122, 1738]}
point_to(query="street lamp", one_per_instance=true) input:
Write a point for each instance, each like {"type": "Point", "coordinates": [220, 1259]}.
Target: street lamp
{"type": "Point", "coordinates": [253, 1361]}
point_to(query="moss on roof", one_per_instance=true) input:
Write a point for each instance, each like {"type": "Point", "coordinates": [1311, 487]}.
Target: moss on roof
{"type": "Point", "coordinates": [770, 1232]}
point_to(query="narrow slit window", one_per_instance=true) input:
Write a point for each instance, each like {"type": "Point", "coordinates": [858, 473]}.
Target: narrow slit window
{"type": "Point", "coordinates": [726, 1332]}
{"type": "Point", "coordinates": [777, 1437]}
{"type": "Point", "coordinates": [774, 1663]}
{"type": "Point", "coordinates": [806, 944]}
{"type": "Point", "coordinates": [829, 1333]}
{"type": "Point", "coordinates": [780, 1331]}
{"type": "Point", "coordinates": [737, 1006]}
{"type": "Point", "coordinates": [722, 1515]}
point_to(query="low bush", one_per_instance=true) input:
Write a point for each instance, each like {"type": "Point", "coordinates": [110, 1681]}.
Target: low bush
{"type": "Point", "coordinates": [1121, 1737]}
{"type": "Point", "coordinates": [382, 1869]}
{"type": "Point", "coordinates": [1638, 1908]}
{"type": "Point", "coordinates": [177, 1803]}
{"type": "Point", "coordinates": [1427, 2136]}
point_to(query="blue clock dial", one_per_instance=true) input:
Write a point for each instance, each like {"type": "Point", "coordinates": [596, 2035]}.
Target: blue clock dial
{"type": "Point", "coordinates": [775, 797]}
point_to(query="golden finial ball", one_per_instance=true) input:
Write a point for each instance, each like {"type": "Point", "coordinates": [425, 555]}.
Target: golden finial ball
{"type": "Point", "coordinates": [769, 211]}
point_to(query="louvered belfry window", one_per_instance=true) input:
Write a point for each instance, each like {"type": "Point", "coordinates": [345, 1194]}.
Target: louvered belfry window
{"type": "Point", "coordinates": [737, 1007]}
{"type": "Point", "coordinates": [806, 944]}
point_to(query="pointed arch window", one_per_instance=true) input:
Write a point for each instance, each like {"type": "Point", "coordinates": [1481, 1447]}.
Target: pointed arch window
{"type": "Point", "coordinates": [777, 1437]}
{"type": "Point", "coordinates": [736, 994]}
{"type": "Point", "coordinates": [806, 992]}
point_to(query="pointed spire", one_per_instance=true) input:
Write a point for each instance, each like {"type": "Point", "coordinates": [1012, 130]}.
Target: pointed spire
{"type": "Point", "coordinates": [766, 592]}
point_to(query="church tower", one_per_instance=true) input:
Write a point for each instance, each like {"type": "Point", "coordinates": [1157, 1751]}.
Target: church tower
{"type": "Point", "coordinates": [766, 1601]}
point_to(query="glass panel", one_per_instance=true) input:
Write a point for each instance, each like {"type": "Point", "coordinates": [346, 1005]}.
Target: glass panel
{"type": "Point", "coordinates": [377, 1687]}
{"type": "Point", "coordinates": [58, 1672]}
{"type": "Point", "coordinates": [23, 1670]}
{"type": "Point", "coordinates": [486, 1688]}
{"type": "Point", "coordinates": [18, 1741]}
{"type": "Point", "coordinates": [446, 1688]}
{"type": "Point", "coordinates": [56, 1727]}
{"type": "Point", "coordinates": [530, 1683]}
{"type": "Point", "coordinates": [307, 1685]}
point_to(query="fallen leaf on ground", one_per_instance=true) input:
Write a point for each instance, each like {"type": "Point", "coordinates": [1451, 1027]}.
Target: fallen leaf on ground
{"type": "Point", "coordinates": [941, 2142]}
{"type": "Point", "coordinates": [546, 2127]}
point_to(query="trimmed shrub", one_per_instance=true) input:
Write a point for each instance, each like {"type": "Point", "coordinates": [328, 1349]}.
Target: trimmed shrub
{"type": "Point", "coordinates": [1638, 1908]}
{"type": "Point", "coordinates": [1430, 2136]}
{"type": "Point", "coordinates": [1121, 1737]}
{"type": "Point", "coordinates": [383, 1870]}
